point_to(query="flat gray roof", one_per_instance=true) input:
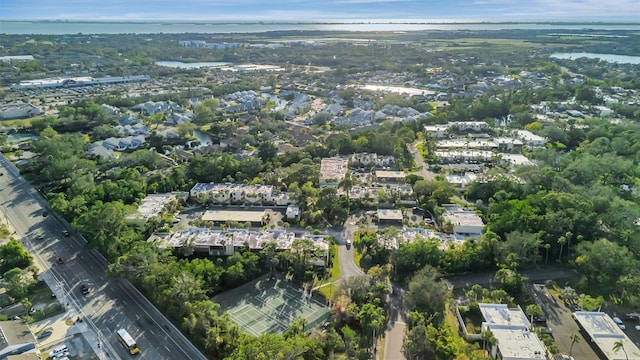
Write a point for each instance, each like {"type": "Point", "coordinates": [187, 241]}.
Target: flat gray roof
{"type": "Point", "coordinates": [604, 332]}
{"type": "Point", "coordinates": [231, 215]}
{"type": "Point", "coordinates": [389, 214]}
{"type": "Point", "coordinates": [390, 174]}
{"type": "Point", "coordinates": [15, 332]}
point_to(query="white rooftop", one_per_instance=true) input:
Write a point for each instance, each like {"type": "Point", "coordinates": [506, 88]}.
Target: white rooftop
{"type": "Point", "coordinates": [232, 215]}
{"type": "Point", "coordinates": [516, 159]}
{"type": "Point", "coordinates": [605, 333]}
{"type": "Point", "coordinates": [510, 327]}
{"type": "Point", "coordinates": [459, 216]}
{"type": "Point", "coordinates": [388, 174]}
{"type": "Point", "coordinates": [153, 204]}
{"type": "Point", "coordinates": [389, 214]}
{"type": "Point", "coordinates": [519, 344]}
{"type": "Point", "coordinates": [205, 238]}
{"type": "Point", "coordinates": [501, 314]}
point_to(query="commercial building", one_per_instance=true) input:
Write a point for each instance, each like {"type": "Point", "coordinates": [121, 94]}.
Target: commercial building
{"type": "Point", "coordinates": [16, 58]}
{"type": "Point", "coordinates": [600, 329]}
{"type": "Point", "coordinates": [15, 339]}
{"type": "Point", "coordinates": [332, 171]}
{"type": "Point", "coordinates": [78, 81]}
{"type": "Point", "coordinates": [466, 223]}
{"type": "Point", "coordinates": [18, 111]}
{"type": "Point", "coordinates": [511, 328]}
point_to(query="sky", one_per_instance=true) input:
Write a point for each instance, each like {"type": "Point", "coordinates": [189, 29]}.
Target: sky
{"type": "Point", "coordinates": [323, 10]}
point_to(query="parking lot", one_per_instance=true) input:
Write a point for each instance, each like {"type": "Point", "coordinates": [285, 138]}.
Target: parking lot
{"type": "Point", "coordinates": [561, 322]}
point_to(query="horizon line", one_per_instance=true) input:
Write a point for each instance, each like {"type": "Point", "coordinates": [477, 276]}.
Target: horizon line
{"type": "Point", "coordinates": [343, 21]}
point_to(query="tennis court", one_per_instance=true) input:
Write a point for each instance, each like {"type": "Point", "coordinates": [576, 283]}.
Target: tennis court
{"type": "Point", "coordinates": [270, 306]}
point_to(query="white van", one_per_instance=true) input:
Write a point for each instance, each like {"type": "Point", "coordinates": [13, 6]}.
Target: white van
{"type": "Point", "coordinates": [59, 351]}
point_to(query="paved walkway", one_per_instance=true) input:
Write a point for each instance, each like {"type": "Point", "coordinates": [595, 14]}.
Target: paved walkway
{"type": "Point", "coordinates": [394, 335]}
{"type": "Point", "coordinates": [422, 167]}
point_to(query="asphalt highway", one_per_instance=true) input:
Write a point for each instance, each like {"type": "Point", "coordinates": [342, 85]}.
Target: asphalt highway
{"type": "Point", "coordinates": [111, 303]}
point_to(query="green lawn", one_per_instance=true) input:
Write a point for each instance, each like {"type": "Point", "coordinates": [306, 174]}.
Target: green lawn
{"type": "Point", "coordinates": [334, 274]}
{"type": "Point", "coordinates": [42, 294]}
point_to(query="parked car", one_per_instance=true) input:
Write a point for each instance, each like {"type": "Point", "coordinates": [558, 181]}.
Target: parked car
{"type": "Point", "coordinates": [541, 319]}
{"type": "Point", "coordinates": [65, 232]}
{"type": "Point", "coordinates": [619, 322]}
{"type": "Point", "coordinates": [45, 334]}
{"type": "Point", "coordinates": [60, 260]}
{"type": "Point", "coordinates": [40, 237]}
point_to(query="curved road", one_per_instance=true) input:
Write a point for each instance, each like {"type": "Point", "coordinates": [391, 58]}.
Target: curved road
{"type": "Point", "coordinates": [111, 304]}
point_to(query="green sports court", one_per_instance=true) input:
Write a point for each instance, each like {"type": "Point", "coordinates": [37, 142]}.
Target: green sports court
{"type": "Point", "coordinates": [270, 305]}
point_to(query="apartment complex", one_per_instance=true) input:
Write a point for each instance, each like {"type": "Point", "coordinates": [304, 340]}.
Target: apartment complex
{"type": "Point", "coordinates": [332, 171]}
{"type": "Point", "coordinates": [238, 194]}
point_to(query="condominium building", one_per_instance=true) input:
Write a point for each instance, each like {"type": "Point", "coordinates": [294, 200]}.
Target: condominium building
{"type": "Point", "coordinates": [239, 194]}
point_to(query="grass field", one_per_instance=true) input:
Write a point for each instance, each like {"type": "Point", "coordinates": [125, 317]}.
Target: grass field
{"type": "Point", "coordinates": [270, 305]}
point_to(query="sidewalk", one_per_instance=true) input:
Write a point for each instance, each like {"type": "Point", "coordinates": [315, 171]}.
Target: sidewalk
{"type": "Point", "coordinates": [89, 333]}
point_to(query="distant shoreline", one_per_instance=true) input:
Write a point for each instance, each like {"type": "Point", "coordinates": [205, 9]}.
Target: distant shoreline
{"type": "Point", "coordinates": [105, 27]}
{"type": "Point", "coordinates": [379, 22]}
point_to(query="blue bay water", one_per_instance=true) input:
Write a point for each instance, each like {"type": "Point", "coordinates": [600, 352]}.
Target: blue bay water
{"type": "Point", "coordinates": [619, 59]}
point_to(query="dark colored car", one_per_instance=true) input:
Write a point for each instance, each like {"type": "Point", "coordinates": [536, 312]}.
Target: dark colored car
{"type": "Point", "coordinates": [60, 260]}
{"type": "Point", "coordinates": [541, 319]}
{"type": "Point", "coordinates": [84, 289]}
{"type": "Point", "coordinates": [45, 334]}
{"type": "Point", "coordinates": [45, 213]}
{"type": "Point", "coordinates": [40, 237]}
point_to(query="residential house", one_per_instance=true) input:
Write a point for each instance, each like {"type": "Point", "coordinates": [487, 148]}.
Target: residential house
{"type": "Point", "coordinates": [529, 138]}
{"type": "Point", "coordinates": [512, 331]}
{"type": "Point", "coordinates": [150, 107]}
{"type": "Point", "coordinates": [466, 223]}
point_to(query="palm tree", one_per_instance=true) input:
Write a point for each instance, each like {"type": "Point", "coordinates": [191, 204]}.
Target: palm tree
{"type": "Point", "coordinates": [533, 310]}
{"type": "Point", "coordinates": [561, 241]}
{"type": "Point", "coordinates": [575, 338]}
{"type": "Point", "coordinates": [619, 345]}
{"type": "Point", "coordinates": [547, 247]}
{"type": "Point", "coordinates": [346, 184]}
